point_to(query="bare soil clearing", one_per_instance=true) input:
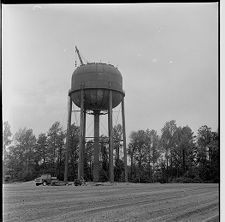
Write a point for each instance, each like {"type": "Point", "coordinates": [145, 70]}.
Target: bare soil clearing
{"type": "Point", "coordinates": [118, 202]}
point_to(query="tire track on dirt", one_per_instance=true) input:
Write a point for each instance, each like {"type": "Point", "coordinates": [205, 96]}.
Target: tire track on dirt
{"type": "Point", "coordinates": [164, 210]}
{"type": "Point", "coordinates": [120, 202]}
{"type": "Point", "coordinates": [190, 213]}
{"type": "Point", "coordinates": [78, 214]}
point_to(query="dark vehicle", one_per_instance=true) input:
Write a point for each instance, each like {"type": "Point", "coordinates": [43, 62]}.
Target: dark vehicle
{"type": "Point", "coordinates": [80, 182]}
{"type": "Point", "coordinates": [77, 182]}
{"type": "Point", "coordinates": [45, 179]}
{"type": "Point", "coordinates": [7, 178]}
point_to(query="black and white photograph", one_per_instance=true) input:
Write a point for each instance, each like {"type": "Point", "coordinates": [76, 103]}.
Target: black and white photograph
{"type": "Point", "coordinates": [111, 112]}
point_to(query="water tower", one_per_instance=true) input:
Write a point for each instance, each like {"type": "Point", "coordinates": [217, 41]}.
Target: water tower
{"type": "Point", "coordinates": [96, 88]}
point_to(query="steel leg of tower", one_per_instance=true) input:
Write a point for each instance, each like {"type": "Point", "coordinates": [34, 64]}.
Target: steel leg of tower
{"type": "Point", "coordinates": [111, 168]}
{"type": "Point", "coordinates": [124, 142]}
{"type": "Point", "coordinates": [68, 138]}
{"type": "Point", "coordinates": [84, 131]}
{"type": "Point", "coordinates": [96, 147]}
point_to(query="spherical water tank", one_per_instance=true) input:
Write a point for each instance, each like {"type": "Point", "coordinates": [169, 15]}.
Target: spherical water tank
{"type": "Point", "coordinates": [97, 79]}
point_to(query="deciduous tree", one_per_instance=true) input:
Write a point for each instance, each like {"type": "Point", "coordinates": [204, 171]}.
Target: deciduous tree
{"type": "Point", "coordinates": [167, 143]}
{"type": "Point", "coordinates": [24, 149]}
{"type": "Point", "coordinates": [55, 141]}
{"type": "Point", "coordinates": [6, 137]}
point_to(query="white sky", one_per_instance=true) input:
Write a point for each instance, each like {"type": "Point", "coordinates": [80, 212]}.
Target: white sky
{"type": "Point", "coordinates": [167, 54]}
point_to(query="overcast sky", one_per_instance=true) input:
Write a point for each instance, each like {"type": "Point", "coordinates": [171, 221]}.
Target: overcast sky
{"type": "Point", "coordinates": [167, 54]}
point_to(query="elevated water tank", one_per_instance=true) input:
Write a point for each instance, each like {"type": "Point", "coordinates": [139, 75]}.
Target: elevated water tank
{"type": "Point", "coordinates": [97, 79]}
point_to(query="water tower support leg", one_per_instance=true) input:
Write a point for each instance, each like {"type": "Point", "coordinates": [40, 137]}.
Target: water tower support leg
{"type": "Point", "coordinates": [111, 169]}
{"type": "Point", "coordinates": [68, 138]}
{"type": "Point", "coordinates": [124, 142]}
{"type": "Point", "coordinates": [96, 147]}
{"type": "Point", "coordinates": [81, 151]}
{"type": "Point", "coordinates": [84, 132]}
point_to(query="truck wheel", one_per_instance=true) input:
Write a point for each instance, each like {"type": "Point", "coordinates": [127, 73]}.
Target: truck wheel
{"type": "Point", "coordinates": [44, 183]}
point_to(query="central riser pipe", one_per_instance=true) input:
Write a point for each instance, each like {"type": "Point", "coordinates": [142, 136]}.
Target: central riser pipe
{"type": "Point", "coordinates": [82, 138]}
{"type": "Point", "coordinates": [96, 147]}
{"type": "Point", "coordinates": [110, 126]}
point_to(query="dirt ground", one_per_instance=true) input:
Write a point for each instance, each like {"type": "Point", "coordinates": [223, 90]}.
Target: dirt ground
{"type": "Point", "coordinates": [117, 202]}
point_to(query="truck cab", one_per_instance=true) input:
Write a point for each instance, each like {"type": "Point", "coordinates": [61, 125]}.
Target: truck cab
{"type": "Point", "coordinates": [45, 179]}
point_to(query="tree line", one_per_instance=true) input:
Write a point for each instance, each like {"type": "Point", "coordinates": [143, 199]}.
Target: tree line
{"type": "Point", "coordinates": [177, 155]}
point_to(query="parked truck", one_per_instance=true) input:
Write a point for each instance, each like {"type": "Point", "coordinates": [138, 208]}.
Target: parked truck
{"type": "Point", "coordinates": [46, 179]}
